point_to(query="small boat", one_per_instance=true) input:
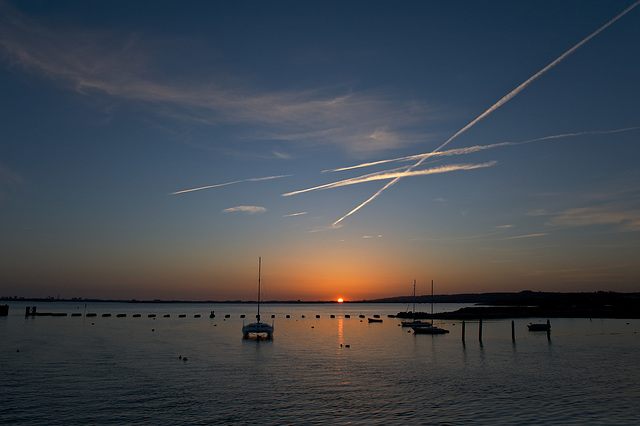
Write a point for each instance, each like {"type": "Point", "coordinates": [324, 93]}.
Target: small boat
{"type": "Point", "coordinates": [431, 328]}
{"type": "Point", "coordinates": [539, 326]}
{"type": "Point", "coordinates": [374, 320]}
{"type": "Point", "coordinates": [414, 322]}
{"type": "Point", "coordinates": [257, 328]}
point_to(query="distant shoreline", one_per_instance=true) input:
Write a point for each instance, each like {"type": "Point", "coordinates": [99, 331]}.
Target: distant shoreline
{"type": "Point", "coordinates": [525, 304]}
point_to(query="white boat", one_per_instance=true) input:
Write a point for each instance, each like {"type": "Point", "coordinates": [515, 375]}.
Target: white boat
{"type": "Point", "coordinates": [430, 329]}
{"type": "Point", "coordinates": [257, 329]}
{"type": "Point", "coordinates": [414, 322]}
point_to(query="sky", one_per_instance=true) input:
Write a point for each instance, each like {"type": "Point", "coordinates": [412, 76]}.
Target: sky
{"type": "Point", "coordinates": [157, 149]}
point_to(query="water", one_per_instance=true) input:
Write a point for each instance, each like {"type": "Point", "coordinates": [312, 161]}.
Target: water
{"type": "Point", "coordinates": [78, 370]}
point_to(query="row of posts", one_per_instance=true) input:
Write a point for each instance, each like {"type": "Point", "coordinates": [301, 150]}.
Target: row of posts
{"type": "Point", "coordinates": [513, 330]}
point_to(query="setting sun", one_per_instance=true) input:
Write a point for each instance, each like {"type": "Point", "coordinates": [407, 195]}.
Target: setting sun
{"type": "Point", "coordinates": [340, 300]}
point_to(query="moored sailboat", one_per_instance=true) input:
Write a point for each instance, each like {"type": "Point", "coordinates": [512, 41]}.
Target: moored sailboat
{"type": "Point", "coordinates": [430, 329]}
{"type": "Point", "coordinates": [414, 322]}
{"type": "Point", "coordinates": [258, 328]}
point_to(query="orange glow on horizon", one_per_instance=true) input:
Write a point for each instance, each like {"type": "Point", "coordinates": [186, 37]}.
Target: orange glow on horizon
{"type": "Point", "coordinates": [340, 300]}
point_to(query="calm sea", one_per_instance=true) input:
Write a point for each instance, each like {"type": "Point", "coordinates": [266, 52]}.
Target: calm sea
{"type": "Point", "coordinates": [126, 370]}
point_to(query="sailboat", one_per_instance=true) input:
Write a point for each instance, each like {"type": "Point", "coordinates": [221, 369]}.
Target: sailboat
{"type": "Point", "coordinates": [430, 329]}
{"type": "Point", "coordinates": [258, 328]}
{"type": "Point", "coordinates": [414, 322]}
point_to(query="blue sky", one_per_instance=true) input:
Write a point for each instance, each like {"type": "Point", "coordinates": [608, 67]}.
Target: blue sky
{"type": "Point", "coordinates": [156, 149]}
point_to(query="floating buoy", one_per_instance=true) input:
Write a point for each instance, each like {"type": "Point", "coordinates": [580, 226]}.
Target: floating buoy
{"type": "Point", "coordinates": [167, 315]}
{"type": "Point", "coordinates": [179, 356]}
{"type": "Point", "coordinates": [197, 316]}
{"type": "Point", "coordinates": [317, 316]}
{"type": "Point", "coordinates": [361, 316]}
{"type": "Point", "coordinates": [347, 316]}
{"type": "Point", "coordinates": [242, 316]}
{"type": "Point", "coordinates": [347, 346]}
{"type": "Point", "coordinates": [137, 315]}
{"type": "Point", "coordinates": [121, 315]}
{"type": "Point", "coordinates": [227, 316]}
{"type": "Point", "coordinates": [333, 316]}
{"type": "Point", "coordinates": [181, 316]}
{"type": "Point", "coordinates": [303, 316]}
{"type": "Point", "coordinates": [312, 326]}
{"type": "Point", "coordinates": [273, 316]}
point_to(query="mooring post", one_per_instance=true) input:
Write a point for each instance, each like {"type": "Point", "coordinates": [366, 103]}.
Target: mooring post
{"type": "Point", "coordinates": [513, 331]}
{"type": "Point", "coordinates": [480, 330]}
{"type": "Point", "coordinates": [548, 330]}
{"type": "Point", "coordinates": [463, 329]}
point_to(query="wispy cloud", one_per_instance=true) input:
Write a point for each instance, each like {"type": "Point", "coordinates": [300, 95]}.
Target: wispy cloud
{"type": "Point", "coordinates": [495, 106]}
{"type": "Point", "coordinates": [393, 174]}
{"type": "Point", "coordinates": [518, 237]}
{"type": "Point", "coordinates": [628, 218]}
{"type": "Point", "coordinates": [294, 214]}
{"type": "Point", "coordinates": [8, 179]}
{"type": "Point", "coordinates": [245, 209]}
{"type": "Point", "coordinates": [121, 66]}
{"type": "Point", "coordinates": [229, 183]}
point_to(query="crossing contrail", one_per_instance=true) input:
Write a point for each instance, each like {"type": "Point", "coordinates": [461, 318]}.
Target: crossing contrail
{"type": "Point", "coordinates": [495, 106]}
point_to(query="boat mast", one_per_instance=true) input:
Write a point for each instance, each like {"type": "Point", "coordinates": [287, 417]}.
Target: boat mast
{"type": "Point", "coordinates": [259, 270]}
{"type": "Point", "coordinates": [432, 302]}
{"type": "Point", "coordinates": [414, 300]}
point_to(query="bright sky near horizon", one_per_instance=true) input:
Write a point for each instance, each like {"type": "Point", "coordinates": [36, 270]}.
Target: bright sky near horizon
{"type": "Point", "coordinates": [156, 149]}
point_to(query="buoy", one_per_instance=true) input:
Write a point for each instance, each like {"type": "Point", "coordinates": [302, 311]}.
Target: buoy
{"type": "Point", "coordinates": [121, 315]}
{"type": "Point", "coordinates": [333, 316]}
{"type": "Point", "coordinates": [273, 315]}
{"type": "Point", "coordinates": [317, 316]}
{"type": "Point", "coordinates": [167, 315]}
{"type": "Point", "coordinates": [347, 346]}
{"type": "Point", "coordinates": [179, 356]}
{"type": "Point", "coordinates": [181, 316]}
{"type": "Point", "coordinates": [303, 316]}
{"type": "Point", "coordinates": [151, 315]}
{"type": "Point", "coordinates": [288, 316]}
{"type": "Point", "coordinates": [347, 316]}
{"type": "Point", "coordinates": [227, 316]}
{"type": "Point", "coordinates": [137, 315]}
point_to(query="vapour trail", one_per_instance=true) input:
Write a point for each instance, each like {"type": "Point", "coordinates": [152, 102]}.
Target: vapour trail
{"type": "Point", "coordinates": [497, 105]}
{"type": "Point", "coordinates": [391, 174]}
{"type": "Point", "coordinates": [229, 183]}
{"type": "Point", "coordinates": [476, 148]}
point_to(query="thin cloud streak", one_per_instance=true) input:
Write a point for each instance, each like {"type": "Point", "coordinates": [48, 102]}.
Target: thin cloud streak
{"type": "Point", "coordinates": [245, 209]}
{"type": "Point", "coordinates": [229, 183]}
{"type": "Point", "coordinates": [294, 214]}
{"type": "Point", "coordinates": [497, 105]}
{"type": "Point", "coordinates": [393, 174]}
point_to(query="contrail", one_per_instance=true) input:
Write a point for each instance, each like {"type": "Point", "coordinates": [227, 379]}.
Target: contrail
{"type": "Point", "coordinates": [476, 148]}
{"type": "Point", "coordinates": [392, 174]}
{"type": "Point", "coordinates": [230, 183]}
{"type": "Point", "coordinates": [497, 105]}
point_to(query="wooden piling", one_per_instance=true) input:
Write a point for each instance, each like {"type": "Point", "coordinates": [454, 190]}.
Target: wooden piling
{"type": "Point", "coordinates": [463, 329]}
{"type": "Point", "coordinates": [513, 331]}
{"type": "Point", "coordinates": [480, 330]}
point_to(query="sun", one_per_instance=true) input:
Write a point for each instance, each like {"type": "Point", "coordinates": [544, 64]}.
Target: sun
{"type": "Point", "coordinates": [340, 300]}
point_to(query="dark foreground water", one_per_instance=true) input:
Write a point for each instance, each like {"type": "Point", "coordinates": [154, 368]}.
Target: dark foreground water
{"type": "Point", "coordinates": [110, 370]}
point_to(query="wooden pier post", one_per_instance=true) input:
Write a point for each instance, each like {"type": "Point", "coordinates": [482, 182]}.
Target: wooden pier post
{"type": "Point", "coordinates": [463, 329]}
{"type": "Point", "coordinates": [513, 331]}
{"type": "Point", "coordinates": [480, 330]}
{"type": "Point", "coordinates": [548, 330]}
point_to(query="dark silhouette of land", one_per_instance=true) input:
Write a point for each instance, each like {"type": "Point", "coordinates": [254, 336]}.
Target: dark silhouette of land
{"type": "Point", "coordinates": [533, 304]}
